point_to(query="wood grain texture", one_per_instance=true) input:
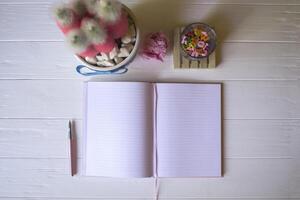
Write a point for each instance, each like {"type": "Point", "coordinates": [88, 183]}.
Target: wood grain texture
{"type": "Point", "coordinates": [258, 178]}
{"type": "Point", "coordinates": [239, 2]}
{"type": "Point", "coordinates": [50, 178]}
{"type": "Point", "coordinates": [243, 139]}
{"type": "Point", "coordinates": [258, 61]}
{"type": "Point", "coordinates": [50, 139]}
{"type": "Point", "coordinates": [84, 198]}
{"type": "Point", "coordinates": [242, 99]}
{"type": "Point", "coordinates": [237, 61]}
{"type": "Point", "coordinates": [163, 198]}
{"type": "Point", "coordinates": [43, 173]}
{"type": "Point", "coordinates": [40, 98]}
{"type": "Point", "coordinates": [132, 198]}
{"type": "Point", "coordinates": [243, 23]}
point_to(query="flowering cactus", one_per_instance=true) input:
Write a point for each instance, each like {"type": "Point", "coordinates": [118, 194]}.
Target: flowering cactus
{"type": "Point", "coordinates": [66, 19]}
{"type": "Point", "coordinates": [97, 35]}
{"type": "Point", "coordinates": [79, 7]}
{"type": "Point", "coordinates": [112, 15]}
{"type": "Point", "coordinates": [91, 26]}
{"type": "Point", "coordinates": [78, 41]}
{"type": "Point", "coordinates": [91, 6]}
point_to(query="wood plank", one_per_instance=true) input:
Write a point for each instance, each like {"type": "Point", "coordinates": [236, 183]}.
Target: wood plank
{"type": "Point", "coordinates": [51, 198]}
{"type": "Point", "coordinates": [41, 99]}
{"type": "Point", "coordinates": [51, 178]}
{"type": "Point", "coordinates": [63, 98]}
{"type": "Point", "coordinates": [185, 63]}
{"type": "Point", "coordinates": [265, 178]}
{"type": "Point", "coordinates": [240, 2]}
{"type": "Point", "coordinates": [172, 198]}
{"type": "Point", "coordinates": [50, 138]}
{"type": "Point", "coordinates": [261, 139]}
{"type": "Point", "coordinates": [244, 178]}
{"type": "Point", "coordinates": [176, 50]}
{"type": "Point", "coordinates": [232, 22]}
{"type": "Point", "coordinates": [203, 63]}
{"type": "Point", "coordinates": [212, 63]}
{"type": "Point", "coordinates": [263, 100]}
{"type": "Point", "coordinates": [194, 64]}
{"type": "Point", "coordinates": [242, 138]}
{"type": "Point", "coordinates": [36, 23]}
{"type": "Point", "coordinates": [225, 198]}
{"type": "Point", "coordinates": [239, 61]}
{"type": "Point", "coordinates": [36, 60]}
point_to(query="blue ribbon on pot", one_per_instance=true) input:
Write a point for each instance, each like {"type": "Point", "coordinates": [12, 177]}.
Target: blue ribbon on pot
{"type": "Point", "coordinates": [120, 70]}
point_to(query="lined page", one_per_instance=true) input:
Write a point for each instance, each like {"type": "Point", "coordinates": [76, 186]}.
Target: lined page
{"type": "Point", "coordinates": [189, 130]}
{"type": "Point", "coordinates": [118, 127]}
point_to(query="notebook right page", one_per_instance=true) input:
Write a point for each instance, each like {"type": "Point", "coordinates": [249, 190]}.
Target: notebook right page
{"type": "Point", "coordinates": [188, 130]}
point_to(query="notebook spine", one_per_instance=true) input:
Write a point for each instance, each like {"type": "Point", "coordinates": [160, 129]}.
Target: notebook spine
{"type": "Point", "coordinates": [155, 164]}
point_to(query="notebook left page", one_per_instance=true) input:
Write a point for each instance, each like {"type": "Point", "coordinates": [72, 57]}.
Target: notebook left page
{"type": "Point", "coordinates": [118, 129]}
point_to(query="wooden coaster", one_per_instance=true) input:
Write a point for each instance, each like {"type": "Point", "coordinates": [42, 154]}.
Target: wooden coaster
{"type": "Point", "coordinates": [180, 62]}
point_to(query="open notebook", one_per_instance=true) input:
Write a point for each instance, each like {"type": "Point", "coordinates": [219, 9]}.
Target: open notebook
{"type": "Point", "coordinates": [138, 129]}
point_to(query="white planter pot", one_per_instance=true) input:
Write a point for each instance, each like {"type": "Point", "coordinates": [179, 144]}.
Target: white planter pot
{"type": "Point", "coordinates": [119, 68]}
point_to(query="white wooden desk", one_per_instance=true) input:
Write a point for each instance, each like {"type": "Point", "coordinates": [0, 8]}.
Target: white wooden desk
{"type": "Point", "coordinates": [259, 64]}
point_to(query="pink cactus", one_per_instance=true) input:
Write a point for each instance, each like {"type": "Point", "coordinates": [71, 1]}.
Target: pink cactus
{"type": "Point", "coordinates": [97, 35]}
{"type": "Point", "coordinates": [78, 41]}
{"type": "Point", "coordinates": [66, 19]}
{"type": "Point", "coordinates": [79, 7]}
{"type": "Point", "coordinates": [92, 26]}
{"type": "Point", "coordinates": [113, 17]}
{"type": "Point", "coordinates": [120, 27]}
{"type": "Point", "coordinates": [91, 6]}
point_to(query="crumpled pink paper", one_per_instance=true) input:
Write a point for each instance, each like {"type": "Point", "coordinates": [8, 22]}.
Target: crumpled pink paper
{"type": "Point", "coordinates": [155, 46]}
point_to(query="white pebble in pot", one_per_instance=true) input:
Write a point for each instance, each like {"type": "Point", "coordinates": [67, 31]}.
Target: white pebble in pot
{"type": "Point", "coordinates": [129, 47]}
{"type": "Point", "coordinates": [91, 60]}
{"type": "Point", "coordinates": [118, 60]}
{"type": "Point", "coordinates": [106, 63]}
{"type": "Point", "coordinates": [113, 53]}
{"type": "Point", "coordinates": [128, 37]}
{"type": "Point", "coordinates": [102, 56]}
{"type": "Point", "coordinates": [123, 52]}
